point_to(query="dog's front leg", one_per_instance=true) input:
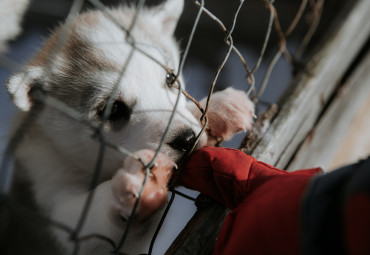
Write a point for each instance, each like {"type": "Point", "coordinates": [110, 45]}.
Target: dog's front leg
{"type": "Point", "coordinates": [230, 112]}
{"type": "Point", "coordinates": [112, 205]}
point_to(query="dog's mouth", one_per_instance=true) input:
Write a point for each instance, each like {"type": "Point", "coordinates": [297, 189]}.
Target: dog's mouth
{"type": "Point", "coordinates": [150, 185]}
{"type": "Point", "coordinates": [149, 175]}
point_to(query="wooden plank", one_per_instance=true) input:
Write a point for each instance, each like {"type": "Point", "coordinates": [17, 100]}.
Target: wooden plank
{"type": "Point", "coordinates": [259, 130]}
{"type": "Point", "coordinates": [298, 114]}
{"type": "Point", "coordinates": [313, 88]}
{"type": "Point", "coordinates": [356, 143]}
{"type": "Point", "coordinates": [324, 140]}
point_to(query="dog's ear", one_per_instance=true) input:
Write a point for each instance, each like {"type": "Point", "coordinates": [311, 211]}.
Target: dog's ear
{"type": "Point", "coordinates": [19, 86]}
{"type": "Point", "coordinates": [167, 14]}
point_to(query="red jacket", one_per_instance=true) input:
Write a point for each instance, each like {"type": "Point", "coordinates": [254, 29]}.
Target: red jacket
{"type": "Point", "coordinates": [266, 203]}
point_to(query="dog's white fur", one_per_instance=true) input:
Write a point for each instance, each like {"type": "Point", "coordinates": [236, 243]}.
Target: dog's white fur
{"type": "Point", "coordinates": [58, 154]}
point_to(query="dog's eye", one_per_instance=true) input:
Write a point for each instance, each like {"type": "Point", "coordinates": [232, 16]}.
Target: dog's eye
{"type": "Point", "coordinates": [170, 79]}
{"type": "Point", "coordinates": [119, 112]}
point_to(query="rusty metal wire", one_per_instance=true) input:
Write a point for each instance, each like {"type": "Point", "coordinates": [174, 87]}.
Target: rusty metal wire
{"type": "Point", "coordinates": [6, 171]}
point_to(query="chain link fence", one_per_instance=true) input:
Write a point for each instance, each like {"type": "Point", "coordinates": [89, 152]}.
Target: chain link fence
{"type": "Point", "coordinates": [273, 42]}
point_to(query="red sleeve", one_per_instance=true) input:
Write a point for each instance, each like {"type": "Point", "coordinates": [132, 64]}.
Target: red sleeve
{"type": "Point", "coordinates": [228, 175]}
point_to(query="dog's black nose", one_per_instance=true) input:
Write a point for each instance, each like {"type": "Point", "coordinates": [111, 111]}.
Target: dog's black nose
{"type": "Point", "coordinates": [184, 141]}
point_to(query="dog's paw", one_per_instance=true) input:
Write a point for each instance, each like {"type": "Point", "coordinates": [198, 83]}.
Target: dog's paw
{"type": "Point", "coordinates": [127, 183]}
{"type": "Point", "coordinates": [230, 112]}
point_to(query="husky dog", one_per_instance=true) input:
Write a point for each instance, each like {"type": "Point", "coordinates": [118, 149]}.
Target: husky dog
{"type": "Point", "coordinates": [58, 154]}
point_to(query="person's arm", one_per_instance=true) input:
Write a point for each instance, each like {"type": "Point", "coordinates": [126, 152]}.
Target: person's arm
{"type": "Point", "coordinates": [228, 175]}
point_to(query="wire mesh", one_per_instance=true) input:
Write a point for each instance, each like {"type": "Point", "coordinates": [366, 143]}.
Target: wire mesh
{"type": "Point", "coordinates": [312, 8]}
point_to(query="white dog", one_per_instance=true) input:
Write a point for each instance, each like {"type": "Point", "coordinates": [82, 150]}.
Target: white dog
{"type": "Point", "coordinates": [58, 155]}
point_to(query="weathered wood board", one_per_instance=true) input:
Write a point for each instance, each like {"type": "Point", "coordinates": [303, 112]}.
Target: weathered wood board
{"type": "Point", "coordinates": [327, 137]}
